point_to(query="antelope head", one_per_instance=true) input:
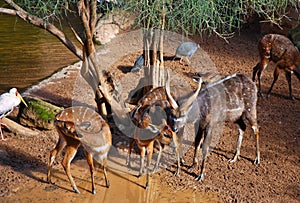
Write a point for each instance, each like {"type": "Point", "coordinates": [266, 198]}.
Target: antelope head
{"type": "Point", "coordinates": [178, 114]}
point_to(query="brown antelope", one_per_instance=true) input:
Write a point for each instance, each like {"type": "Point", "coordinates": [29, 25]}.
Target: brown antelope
{"type": "Point", "coordinates": [232, 98]}
{"type": "Point", "coordinates": [81, 126]}
{"type": "Point", "coordinates": [158, 96]}
{"type": "Point", "coordinates": [146, 134]}
{"type": "Point", "coordinates": [280, 50]}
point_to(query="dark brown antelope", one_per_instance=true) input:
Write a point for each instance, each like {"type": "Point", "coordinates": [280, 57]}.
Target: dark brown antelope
{"type": "Point", "coordinates": [146, 134]}
{"type": "Point", "coordinates": [280, 50]}
{"type": "Point", "coordinates": [233, 98]}
{"type": "Point", "coordinates": [81, 126]}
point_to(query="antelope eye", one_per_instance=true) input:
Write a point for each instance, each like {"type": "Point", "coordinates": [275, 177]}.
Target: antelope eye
{"type": "Point", "coordinates": [174, 119]}
{"type": "Point", "coordinates": [167, 135]}
{"type": "Point", "coordinates": [174, 129]}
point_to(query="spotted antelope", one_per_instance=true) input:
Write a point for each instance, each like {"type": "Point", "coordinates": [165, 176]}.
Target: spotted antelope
{"type": "Point", "coordinates": [81, 126]}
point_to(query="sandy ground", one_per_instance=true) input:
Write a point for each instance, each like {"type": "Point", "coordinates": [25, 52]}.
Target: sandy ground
{"type": "Point", "coordinates": [23, 163]}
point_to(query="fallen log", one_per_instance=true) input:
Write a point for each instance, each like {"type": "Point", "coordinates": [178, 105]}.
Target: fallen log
{"type": "Point", "coordinates": [18, 129]}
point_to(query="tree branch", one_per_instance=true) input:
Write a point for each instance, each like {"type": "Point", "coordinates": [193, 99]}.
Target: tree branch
{"type": "Point", "coordinates": [93, 15]}
{"type": "Point", "coordinates": [8, 11]}
{"type": "Point", "coordinates": [36, 21]}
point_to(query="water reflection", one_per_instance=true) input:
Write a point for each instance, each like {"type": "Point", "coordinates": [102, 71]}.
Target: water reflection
{"type": "Point", "coordinates": [28, 54]}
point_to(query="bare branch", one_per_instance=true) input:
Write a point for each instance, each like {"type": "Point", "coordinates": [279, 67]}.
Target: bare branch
{"type": "Point", "coordinates": [71, 26]}
{"type": "Point", "coordinates": [8, 11]}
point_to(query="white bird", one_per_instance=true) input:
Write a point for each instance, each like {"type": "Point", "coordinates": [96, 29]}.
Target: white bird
{"type": "Point", "coordinates": [8, 101]}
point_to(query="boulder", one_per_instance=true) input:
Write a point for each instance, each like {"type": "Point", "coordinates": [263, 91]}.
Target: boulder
{"type": "Point", "coordinates": [108, 27]}
{"type": "Point", "coordinates": [39, 114]}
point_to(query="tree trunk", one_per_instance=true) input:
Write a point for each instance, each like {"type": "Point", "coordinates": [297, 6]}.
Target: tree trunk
{"type": "Point", "coordinates": [153, 54]}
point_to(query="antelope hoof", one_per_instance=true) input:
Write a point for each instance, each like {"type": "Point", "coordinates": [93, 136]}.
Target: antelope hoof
{"type": "Point", "coordinates": [107, 184]}
{"type": "Point", "coordinates": [192, 167]}
{"type": "Point", "coordinates": [177, 172]}
{"type": "Point", "coordinates": [182, 161]}
{"type": "Point", "coordinates": [94, 192]}
{"type": "Point", "coordinates": [76, 190]}
{"type": "Point", "coordinates": [200, 177]}
{"type": "Point", "coordinates": [147, 186]}
{"type": "Point", "coordinates": [257, 161]}
{"type": "Point", "coordinates": [128, 163]}
{"type": "Point", "coordinates": [232, 160]}
{"type": "Point", "coordinates": [155, 169]}
{"type": "Point", "coordinates": [261, 94]}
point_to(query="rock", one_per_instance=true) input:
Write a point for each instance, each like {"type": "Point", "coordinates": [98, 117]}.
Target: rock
{"type": "Point", "coordinates": [39, 114]}
{"type": "Point", "coordinates": [110, 26]}
{"type": "Point", "coordinates": [106, 32]}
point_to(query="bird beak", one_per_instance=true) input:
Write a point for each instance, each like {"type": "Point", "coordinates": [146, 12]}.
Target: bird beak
{"type": "Point", "coordinates": [21, 98]}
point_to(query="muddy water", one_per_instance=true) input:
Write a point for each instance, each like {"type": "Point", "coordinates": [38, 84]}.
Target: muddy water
{"type": "Point", "coordinates": [28, 54]}
{"type": "Point", "coordinates": [124, 187]}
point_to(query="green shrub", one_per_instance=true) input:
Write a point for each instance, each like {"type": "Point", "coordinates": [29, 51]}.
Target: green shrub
{"type": "Point", "coordinates": [213, 16]}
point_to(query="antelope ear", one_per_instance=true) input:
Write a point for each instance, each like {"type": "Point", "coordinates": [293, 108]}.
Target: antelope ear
{"type": "Point", "coordinates": [164, 122]}
{"type": "Point", "coordinates": [172, 101]}
{"type": "Point", "coordinates": [196, 79]}
{"type": "Point", "coordinates": [153, 128]}
{"type": "Point", "coordinates": [85, 125]}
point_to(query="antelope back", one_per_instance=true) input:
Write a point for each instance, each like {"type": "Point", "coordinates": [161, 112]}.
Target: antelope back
{"type": "Point", "coordinates": [89, 127]}
{"type": "Point", "coordinates": [239, 91]}
{"type": "Point", "coordinates": [152, 96]}
{"type": "Point", "coordinates": [155, 97]}
{"type": "Point", "coordinates": [207, 77]}
{"type": "Point", "coordinates": [225, 99]}
{"type": "Point", "coordinates": [278, 47]}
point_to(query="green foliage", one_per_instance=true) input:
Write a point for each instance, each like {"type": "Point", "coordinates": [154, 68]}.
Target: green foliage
{"type": "Point", "coordinates": [187, 16]}
{"type": "Point", "coordinates": [38, 114]}
{"type": "Point", "coordinates": [44, 111]}
{"type": "Point", "coordinates": [46, 9]}
{"type": "Point", "coordinates": [218, 16]}
{"type": "Point", "coordinates": [51, 10]}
